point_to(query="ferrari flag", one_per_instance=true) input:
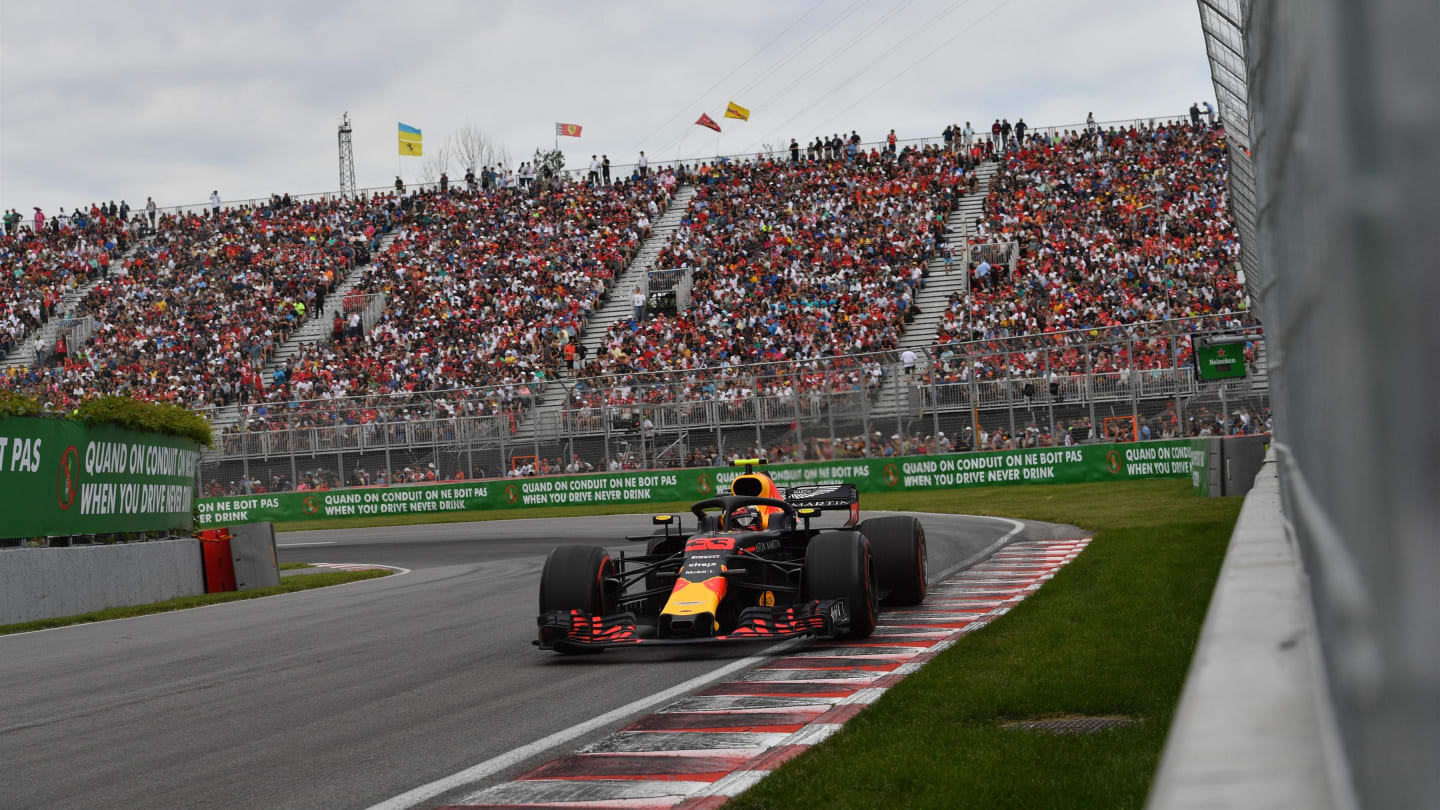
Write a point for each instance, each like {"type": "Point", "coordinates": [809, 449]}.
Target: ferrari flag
{"type": "Point", "coordinates": [707, 121]}
{"type": "Point", "coordinates": [736, 111]}
{"type": "Point", "coordinates": [568, 130]}
{"type": "Point", "coordinates": [410, 141]}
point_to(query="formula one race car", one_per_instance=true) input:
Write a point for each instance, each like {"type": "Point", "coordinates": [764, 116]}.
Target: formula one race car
{"type": "Point", "coordinates": [754, 568]}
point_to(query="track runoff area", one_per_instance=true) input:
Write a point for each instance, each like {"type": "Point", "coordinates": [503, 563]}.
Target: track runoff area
{"type": "Point", "coordinates": [423, 689]}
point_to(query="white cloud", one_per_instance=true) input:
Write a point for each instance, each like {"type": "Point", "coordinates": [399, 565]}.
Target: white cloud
{"type": "Point", "coordinates": [102, 100]}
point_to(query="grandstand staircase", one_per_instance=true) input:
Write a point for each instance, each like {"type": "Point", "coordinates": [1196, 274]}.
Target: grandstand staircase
{"type": "Point", "coordinates": [618, 308]}
{"type": "Point", "coordinates": [317, 329]}
{"type": "Point", "coordinates": [933, 300]}
{"type": "Point", "coordinates": [23, 355]}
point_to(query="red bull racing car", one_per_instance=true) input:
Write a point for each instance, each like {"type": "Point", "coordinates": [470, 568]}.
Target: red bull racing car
{"type": "Point", "coordinates": [752, 569]}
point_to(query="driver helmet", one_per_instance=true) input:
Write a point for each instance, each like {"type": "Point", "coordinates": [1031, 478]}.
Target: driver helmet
{"type": "Point", "coordinates": [746, 517]}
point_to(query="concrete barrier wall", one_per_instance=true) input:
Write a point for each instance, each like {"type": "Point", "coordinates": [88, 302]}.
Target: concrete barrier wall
{"type": "Point", "coordinates": [42, 583]}
{"type": "Point", "coordinates": [1254, 726]}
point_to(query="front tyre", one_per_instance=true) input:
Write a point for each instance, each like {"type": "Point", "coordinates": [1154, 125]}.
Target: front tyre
{"type": "Point", "coordinates": [574, 579]}
{"type": "Point", "coordinates": [838, 565]}
{"type": "Point", "coordinates": [901, 565]}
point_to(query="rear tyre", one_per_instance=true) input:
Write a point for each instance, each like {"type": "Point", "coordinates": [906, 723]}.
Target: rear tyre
{"type": "Point", "coordinates": [898, 544]}
{"type": "Point", "coordinates": [838, 565]}
{"type": "Point", "coordinates": [574, 579]}
{"type": "Point", "coordinates": [663, 543]}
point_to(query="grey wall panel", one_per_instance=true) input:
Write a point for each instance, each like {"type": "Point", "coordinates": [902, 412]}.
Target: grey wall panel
{"type": "Point", "coordinates": [42, 583]}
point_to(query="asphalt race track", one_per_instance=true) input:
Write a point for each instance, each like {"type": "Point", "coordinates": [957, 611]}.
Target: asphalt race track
{"type": "Point", "coordinates": [342, 697]}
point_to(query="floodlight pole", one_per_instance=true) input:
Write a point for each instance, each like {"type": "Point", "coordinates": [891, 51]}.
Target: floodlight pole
{"type": "Point", "coordinates": [347, 158]}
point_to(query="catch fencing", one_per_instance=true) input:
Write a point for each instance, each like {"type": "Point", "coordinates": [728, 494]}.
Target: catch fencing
{"type": "Point", "coordinates": [1332, 186]}
{"type": "Point", "coordinates": [1079, 387]}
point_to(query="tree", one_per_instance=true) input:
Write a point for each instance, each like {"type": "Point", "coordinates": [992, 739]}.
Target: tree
{"type": "Point", "coordinates": [468, 148]}
{"type": "Point", "coordinates": [436, 164]}
{"type": "Point", "coordinates": [472, 148]}
{"type": "Point", "coordinates": [549, 165]}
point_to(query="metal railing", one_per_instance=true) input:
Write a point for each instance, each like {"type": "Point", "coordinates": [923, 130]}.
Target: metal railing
{"type": "Point", "coordinates": [679, 280]}
{"type": "Point", "coordinates": [626, 170]}
{"type": "Point", "coordinates": [75, 331]}
{"type": "Point", "coordinates": [1040, 390]}
{"type": "Point", "coordinates": [1001, 253]}
{"type": "Point", "coordinates": [371, 307]}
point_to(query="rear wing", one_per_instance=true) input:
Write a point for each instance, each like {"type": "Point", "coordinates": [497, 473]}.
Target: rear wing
{"type": "Point", "coordinates": [827, 498]}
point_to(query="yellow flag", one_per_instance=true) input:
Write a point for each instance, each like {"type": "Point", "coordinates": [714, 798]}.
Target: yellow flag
{"type": "Point", "coordinates": [734, 110]}
{"type": "Point", "coordinates": [410, 141]}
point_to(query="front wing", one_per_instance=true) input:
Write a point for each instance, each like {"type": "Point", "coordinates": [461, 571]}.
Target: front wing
{"type": "Point", "coordinates": [578, 629]}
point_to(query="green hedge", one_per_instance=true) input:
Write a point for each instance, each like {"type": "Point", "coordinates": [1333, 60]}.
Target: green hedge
{"type": "Point", "coordinates": [13, 404]}
{"type": "Point", "coordinates": [122, 412]}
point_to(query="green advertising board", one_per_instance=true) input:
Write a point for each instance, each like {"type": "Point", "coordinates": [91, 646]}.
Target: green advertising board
{"type": "Point", "coordinates": [1057, 465]}
{"type": "Point", "coordinates": [1200, 466]}
{"type": "Point", "coordinates": [1218, 361]}
{"type": "Point", "coordinates": [60, 477]}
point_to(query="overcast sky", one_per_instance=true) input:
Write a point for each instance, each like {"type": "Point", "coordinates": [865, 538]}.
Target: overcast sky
{"type": "Point", "coordinates": [102, 100]}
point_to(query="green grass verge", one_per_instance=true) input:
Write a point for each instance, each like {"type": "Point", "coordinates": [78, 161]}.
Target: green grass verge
{"type": "Point", "coordinates": [1111, 634]}
{"type": "Point", "coordinates": [291, 585]}
{"type": "Point", "coordinates": [293, 566]}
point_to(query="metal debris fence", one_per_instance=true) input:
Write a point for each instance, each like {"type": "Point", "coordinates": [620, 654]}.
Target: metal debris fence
{"type": "Point", "coordinates": [1007, 392]}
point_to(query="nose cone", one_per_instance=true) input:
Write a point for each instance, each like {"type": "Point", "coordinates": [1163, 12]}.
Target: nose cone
{"type": "Point", "coordinates": [692, 606]}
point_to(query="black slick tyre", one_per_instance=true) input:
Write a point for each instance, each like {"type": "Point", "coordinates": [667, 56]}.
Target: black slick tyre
{"type": "Point", "coordinates": [574, 579]}
{"type": "Point", "coordinates": [839, 565]}
{"type": "Point", "coordinates": [898, 545]}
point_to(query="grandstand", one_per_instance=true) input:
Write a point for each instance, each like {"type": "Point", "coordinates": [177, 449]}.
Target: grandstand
{"type": "Point", "coordinates": [858, 301]}
{"type": "Point", "coordinates": [45, 268]}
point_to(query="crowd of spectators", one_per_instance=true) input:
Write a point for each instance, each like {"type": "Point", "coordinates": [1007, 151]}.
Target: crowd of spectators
{"type": "Point", "coordinates": [44, 258]}
{"type": "Point", "coordinates": [790, 260]}
{"type": "Point", "coordinates": [1115, 228]}
{"type": "Point", "coordinates": [192, 316]}
{"type": "Point", "coordinates": [483, 289]}
{"type": "Point", "coordinates": [796, 261]}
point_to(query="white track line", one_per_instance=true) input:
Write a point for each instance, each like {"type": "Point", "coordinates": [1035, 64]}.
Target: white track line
{"type": "Point", "coordinates": [514, 757]}
{"type": "Point", "coordinates": [296, 545]}
{"type": "Point", "coordinates": [1017, 526]}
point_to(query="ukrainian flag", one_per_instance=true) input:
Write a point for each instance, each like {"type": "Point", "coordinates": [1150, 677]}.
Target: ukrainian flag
{"type": "Point", "coordinates": [410, 141]}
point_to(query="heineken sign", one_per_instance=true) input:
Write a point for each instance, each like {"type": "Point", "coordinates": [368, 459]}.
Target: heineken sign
{"type": "Point", "coordinates": [1051, 465]}
{"type": "Point", "coordinates": [1217, 361]}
